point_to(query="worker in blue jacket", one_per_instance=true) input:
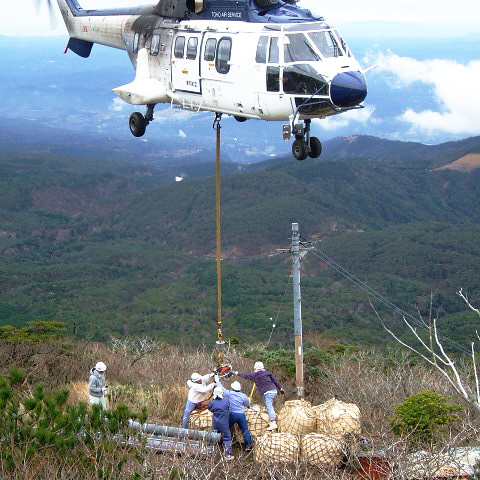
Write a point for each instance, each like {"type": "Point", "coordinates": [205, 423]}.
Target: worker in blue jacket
{"type": "Point", "coordinates": [220, 408]}
{"type": "Point", "coordinates": [238, 402]}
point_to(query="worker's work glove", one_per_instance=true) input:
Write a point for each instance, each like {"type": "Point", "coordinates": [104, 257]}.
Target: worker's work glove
{"type": "Point", "coordinates": [234, 372]}
{"type": "Point", "coordinates": [104, 390]}
{"type": "Point", "coordinates": [282, 391]}
{"type": "Point", "coordinates": [216, 378]}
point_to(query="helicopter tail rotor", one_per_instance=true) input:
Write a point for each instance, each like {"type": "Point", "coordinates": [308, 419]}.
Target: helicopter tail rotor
{"type": "Point", "coordinates": [51, 11]}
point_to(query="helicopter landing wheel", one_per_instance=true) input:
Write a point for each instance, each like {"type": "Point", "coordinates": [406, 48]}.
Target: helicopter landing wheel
{"type": "Point", "coordinates": [315, 149]}
{"type": "Point", "coordinates": [137, 124]}
{"type": "Point", "coordinates": [299, 149]}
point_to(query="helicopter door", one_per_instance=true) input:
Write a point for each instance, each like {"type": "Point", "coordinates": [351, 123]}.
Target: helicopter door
{"type": "Point", "coordinates": [267, 62]}
{"type": "Point", "coordinates": [186, 62]}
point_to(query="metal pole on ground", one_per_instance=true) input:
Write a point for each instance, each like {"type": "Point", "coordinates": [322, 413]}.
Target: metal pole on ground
{"type": "Point", "coordinates": [297, 309]}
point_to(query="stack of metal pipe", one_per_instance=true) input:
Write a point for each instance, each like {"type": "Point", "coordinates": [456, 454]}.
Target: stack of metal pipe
{"type": "Point", "coordinates": [163, 438]}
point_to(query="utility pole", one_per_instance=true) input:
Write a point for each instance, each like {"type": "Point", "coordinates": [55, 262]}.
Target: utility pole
{"type": "Point", "coordinates": [297, 309]}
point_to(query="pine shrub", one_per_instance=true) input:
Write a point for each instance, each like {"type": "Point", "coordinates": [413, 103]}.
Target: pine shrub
{"type": "Point", "coordinates": [421, 417]}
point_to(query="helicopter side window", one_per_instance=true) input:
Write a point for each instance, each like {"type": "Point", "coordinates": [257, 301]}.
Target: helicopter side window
{"type": "Point", "coordinates": [326, 42]}
{"type": "Point", "coordinates": [136, 38]}
{"type": "Point", "coordinates": [210, 48]}
{"type": "Point", "coordinates": [273, 79]}
{"type": "Point", "coordinates": [155, 45]}
{"type": "Point", "coordinates": [273, 52]}
{"type": "Point", "coordinates": [298, 49]}
{"type": "Point", "coordinates": [343, 44]}
{"type": "Point", "coordinates": [224, 51]}
{"type": "Point", "coordinates": [179, 47]}
{"type": "Point", "coordinates": [192, 48]}
{"type": "Point", "coordinates": [261, 56]}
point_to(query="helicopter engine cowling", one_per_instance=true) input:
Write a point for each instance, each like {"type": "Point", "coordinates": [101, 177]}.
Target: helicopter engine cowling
{"type": "Point", "coordinates": [265, 3]}
{"type": "Point", "coordinates": [196, 6]}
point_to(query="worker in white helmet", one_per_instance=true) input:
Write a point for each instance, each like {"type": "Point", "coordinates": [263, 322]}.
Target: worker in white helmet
{"type": "Point", "coordinates": [220, 408]}
{"type": "Point", "coordinates": [96, 385]}
{"type": "Point", "coordinates": [199, 391]}
{"type": "Point", "coordinates": [238, 402]}
{"type": "Point", "coordinates": [267, 385]}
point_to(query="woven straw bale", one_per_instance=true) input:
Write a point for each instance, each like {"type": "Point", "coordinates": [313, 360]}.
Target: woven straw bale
{"type": "Point", "coordinates": [321, 450]}
{"type": "Point", "coordinates": [257, 420]}
{"type": "Point", "coordinates": [200, 420]}
{"type": "Point", "coordinates": [276, 448]}
{"type": "Point", "coordinates": [297, 417]}
{"type": "Point", "coordinates": [337, 418]}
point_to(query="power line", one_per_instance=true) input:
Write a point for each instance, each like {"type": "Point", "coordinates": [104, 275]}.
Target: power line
{"type": "Point", "coordinates": [379, 297]}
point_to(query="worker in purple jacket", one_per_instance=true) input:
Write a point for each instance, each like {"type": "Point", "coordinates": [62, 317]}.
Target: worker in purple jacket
{"type": "Point", "coordinates": [267, 386]}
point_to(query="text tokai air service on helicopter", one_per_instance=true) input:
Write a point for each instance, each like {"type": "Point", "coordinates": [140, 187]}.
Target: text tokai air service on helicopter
{"type": "Point", "coordinates": [253, 59]}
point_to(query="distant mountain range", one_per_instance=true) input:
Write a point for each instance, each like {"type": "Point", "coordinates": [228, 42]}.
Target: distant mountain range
{"type": "Point", "coordinates": [117, 246]}
{"type": "Point", "coordinates": [65, 92]}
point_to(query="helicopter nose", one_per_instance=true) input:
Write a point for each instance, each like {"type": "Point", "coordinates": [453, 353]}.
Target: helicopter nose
{"type": "Point", "coordinates": [348, 89]}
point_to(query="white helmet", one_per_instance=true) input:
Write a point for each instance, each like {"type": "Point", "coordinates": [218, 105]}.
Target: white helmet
{"type": "Point", "coordinates": [236, 386]}
{"type": "Point", "coordinates": [258, 366]}
{"type": "Point", "coordinates": [218, 392]}
{"type": "Point", "coordinates": [195, 377]}
{"type": "Point", "coordinates": [100, 367]}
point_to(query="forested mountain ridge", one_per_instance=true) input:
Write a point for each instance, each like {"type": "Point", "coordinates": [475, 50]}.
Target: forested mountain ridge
{"type": "Point", "coordinates": [117, 248]}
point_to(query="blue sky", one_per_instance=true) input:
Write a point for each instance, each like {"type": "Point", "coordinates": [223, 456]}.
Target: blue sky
{"type": "Point", "coordinates": [19, 18]}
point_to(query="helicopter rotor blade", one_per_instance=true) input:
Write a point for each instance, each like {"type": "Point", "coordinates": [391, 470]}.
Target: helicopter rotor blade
{"type": "Point", "coordinates": [51, 11]}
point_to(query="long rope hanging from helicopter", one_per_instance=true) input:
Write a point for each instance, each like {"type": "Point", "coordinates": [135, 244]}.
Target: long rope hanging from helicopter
{"type": "Point", "coordinates": [223, 367]}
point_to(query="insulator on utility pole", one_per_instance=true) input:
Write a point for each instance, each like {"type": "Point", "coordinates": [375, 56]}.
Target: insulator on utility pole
{"type": "Point", "coordinates": [297, 309]}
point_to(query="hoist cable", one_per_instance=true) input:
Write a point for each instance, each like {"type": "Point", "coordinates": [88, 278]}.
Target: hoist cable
{"type": "Point", "coordinates": [220, 342]}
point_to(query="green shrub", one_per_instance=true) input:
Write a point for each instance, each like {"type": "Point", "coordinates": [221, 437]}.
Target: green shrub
{"type": "Point", "coordinates": [284, 359]}
{"type": "Point", "coordinates": [422, 416]}
{"type": "Point", "coordinates": [43, 425]}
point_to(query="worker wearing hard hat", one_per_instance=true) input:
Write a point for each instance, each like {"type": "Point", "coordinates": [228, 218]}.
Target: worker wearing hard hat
{"type": "Point", "coordinates": [220, 408]}
{"type": "Point", "coordinates": [96, 385]}
{"type": "Point", "coordinates": [267, 385]}
{"type": "Point", "coordinates": [238, 402]}
{"type": "Point", "coordinates": [198, 392]}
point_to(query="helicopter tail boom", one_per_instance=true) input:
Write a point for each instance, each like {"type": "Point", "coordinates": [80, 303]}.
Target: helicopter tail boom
{"type": "Point", "coordinates": [96, 26]}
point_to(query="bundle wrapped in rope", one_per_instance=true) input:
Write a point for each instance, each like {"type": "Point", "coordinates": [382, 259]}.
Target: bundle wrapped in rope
{"type": "Point", "coordinates": [322, 450]}
{"type": "Point", "coordinates": [337, 418]}
{"type": "Point", "coordinates": [257, 419]}
{"type": "Point", "coordinates": [277, 448]}
{"type": "Point", "coordinates": [297, 417]}
{"type": "Point", "coordinates": [200, 420]}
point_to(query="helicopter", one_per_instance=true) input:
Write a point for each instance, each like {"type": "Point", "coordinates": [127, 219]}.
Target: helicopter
{"type": "Point", "coordinates": [250, 59]}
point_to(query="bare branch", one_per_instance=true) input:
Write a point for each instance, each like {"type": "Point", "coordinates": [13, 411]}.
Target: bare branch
{"type": "Point", "coordinates": [475, 371]}
{"type": "Point", "coordinates": [464, 296]}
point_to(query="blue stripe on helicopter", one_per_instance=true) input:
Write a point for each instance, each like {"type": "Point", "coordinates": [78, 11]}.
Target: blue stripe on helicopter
{"type": "Point", "coordinates": [228, 10]}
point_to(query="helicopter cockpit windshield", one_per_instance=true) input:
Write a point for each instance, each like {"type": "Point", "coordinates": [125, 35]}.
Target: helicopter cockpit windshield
{"type": "Point", "coordinates": [302, 59]}
{"type": "Point", "coordinates": [300, 47]}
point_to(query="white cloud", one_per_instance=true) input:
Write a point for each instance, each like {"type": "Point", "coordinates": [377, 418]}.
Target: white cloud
{"type": "Point", "coordinates": [182, 134]}
{"type": "Point", "coordinates": [117, 105]}
{"type": "Point", "coordinates": [455, 89]}
{"type": "Point", "coordinates": [361, 115]}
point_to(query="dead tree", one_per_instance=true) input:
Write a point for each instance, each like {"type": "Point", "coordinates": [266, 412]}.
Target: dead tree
{"type": "Point", "coordinates": [435, 355]}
